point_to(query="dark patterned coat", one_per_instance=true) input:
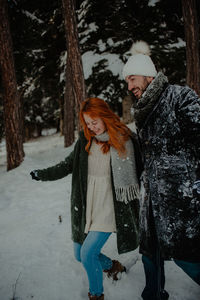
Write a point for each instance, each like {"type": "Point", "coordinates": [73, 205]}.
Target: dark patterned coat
{"type": "Point", "coordinates": [126, 215]}
{"type": "Point", "coordinates": [170, 141]}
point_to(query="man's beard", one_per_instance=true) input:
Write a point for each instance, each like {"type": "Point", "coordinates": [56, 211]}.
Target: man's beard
{"type": "Point", "coordinates": [133, 97]}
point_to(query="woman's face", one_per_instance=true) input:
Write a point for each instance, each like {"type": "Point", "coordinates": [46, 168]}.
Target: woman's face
{"type": "Point", "coordinates": [96, 125]}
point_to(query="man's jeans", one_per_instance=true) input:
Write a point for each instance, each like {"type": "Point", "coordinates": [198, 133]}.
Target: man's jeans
{"type": "Point", "coordinates": [155, 277]}
{"type": "Point", "coordinates": [93, 261]}
{"type": "Point", "coordinates": [191, 269]}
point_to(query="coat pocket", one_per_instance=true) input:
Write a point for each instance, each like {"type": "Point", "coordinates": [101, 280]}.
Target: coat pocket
{"type": "Point", "coordinates": [172, 178]}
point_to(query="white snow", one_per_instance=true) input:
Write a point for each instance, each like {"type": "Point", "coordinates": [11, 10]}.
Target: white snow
{"type": "Point", "coordinates": [38, 119]}
{"type": "Point", "coordinates": [92, 27]}
{"type": "Point", "coordinates": [180, 43]}
{"type": "Point", "coordinates": [32, 16]}
{"type": "Point", "coordinates": [113, 62]}
{"type": "Point", "coordinates": [36, 251]}
{"type": "Point", "coordinates": [62, 65]}
{"type": "Point", "coordinates": [83, 11]}
{"type": "Point", "coordinates": [30, 86]}
{"type": "Point", "coordinates": [153, 2]}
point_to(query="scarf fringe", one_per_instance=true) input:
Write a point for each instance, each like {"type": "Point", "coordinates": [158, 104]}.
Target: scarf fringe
{"type": "Point", "coordinates": [124, 171]}
{"type": "Point", "coordinates": [127, 193]}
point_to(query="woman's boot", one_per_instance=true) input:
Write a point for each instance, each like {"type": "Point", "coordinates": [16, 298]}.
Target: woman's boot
{"type": "Point", "coordinates": [116, 268]}
{"type": "Point", "coordinates": [94, 297]}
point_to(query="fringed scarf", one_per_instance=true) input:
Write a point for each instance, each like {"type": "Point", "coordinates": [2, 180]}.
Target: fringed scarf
{"type": "Point", "coordinates": [124, 171]}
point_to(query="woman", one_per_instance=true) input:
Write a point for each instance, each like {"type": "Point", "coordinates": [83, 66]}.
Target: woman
{"type": "Point", "coordinates": [105, 190]}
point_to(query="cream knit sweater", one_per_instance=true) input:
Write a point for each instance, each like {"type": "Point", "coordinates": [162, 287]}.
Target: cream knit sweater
{"type": "Point", "coordinates": [100, 208]}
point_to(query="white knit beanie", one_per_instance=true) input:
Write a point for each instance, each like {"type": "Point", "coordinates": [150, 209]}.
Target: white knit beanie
{"type": "Point", "coordinates": [140, 62]}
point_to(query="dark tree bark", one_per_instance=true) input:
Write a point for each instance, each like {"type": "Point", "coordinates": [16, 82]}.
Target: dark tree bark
{"type": "Point", "coordinates": [69, 110]}
{"type": "Point", "coordinates": [75, 76]}
{"type": "Point", "coordinates": [11, 99]}
{"type": "Point", "coordinates": [192, 33]}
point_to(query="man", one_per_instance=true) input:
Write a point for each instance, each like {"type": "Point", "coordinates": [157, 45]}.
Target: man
{"type": "Point", "coordinates": [168, 123]}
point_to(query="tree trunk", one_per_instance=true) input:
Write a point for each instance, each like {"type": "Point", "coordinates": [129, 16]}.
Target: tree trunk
{"type": "Point", "coordinates": [11, 99]}
{"type": "Point", "coordinates": [192, 44]}
{"type": "Point", "coordinates": [69, 110]}
{"type": "Point", "coordinates": [74, 62]}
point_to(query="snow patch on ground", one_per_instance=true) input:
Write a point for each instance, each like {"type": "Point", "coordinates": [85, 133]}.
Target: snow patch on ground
{"type": "Point", "coordinates": [36, 251]}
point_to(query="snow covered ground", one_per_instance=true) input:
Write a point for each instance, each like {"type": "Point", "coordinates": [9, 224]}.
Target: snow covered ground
{"type": "Point", "coordinates": [36, 251]}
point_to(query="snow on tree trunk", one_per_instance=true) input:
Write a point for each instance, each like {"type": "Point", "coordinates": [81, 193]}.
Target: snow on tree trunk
{"type": "Point", "coordinates": [192, 44]}
{"type": "Point", "coordinates": [11, 99]}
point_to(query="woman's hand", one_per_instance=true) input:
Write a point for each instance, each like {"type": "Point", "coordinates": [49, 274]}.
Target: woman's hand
{"type": "Point", "coordinates": [34, 175]}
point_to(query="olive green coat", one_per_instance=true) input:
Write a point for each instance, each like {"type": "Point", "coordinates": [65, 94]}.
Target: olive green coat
{"type": "Point", "coordinates": [126, 214]}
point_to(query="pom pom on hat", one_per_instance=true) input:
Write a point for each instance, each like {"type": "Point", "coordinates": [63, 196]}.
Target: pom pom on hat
{"type": "Point", "coordinates": [140, 62]}
{"type": "Point", "coordinates": [140, 47]}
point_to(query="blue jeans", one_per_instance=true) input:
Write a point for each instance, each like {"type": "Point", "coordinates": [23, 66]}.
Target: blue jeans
{"type": "Point", "coordinates": [191, 269]}
{"type": "Point", "coordinates": [155, 277]}
{"type": "Point", "coordinates": [93, 261]}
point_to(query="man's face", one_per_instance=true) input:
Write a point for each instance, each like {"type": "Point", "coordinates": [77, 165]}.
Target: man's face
{"type": "Point", "coordinates": [137, 84]}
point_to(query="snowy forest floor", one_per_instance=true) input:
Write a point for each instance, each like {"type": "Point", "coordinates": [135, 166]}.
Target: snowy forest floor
{"type": "Point", "coordinates": [36, 251]}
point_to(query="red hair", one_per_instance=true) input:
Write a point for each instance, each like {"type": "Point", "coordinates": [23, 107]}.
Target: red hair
{"type": "Point", "coordinates": [118, 132]}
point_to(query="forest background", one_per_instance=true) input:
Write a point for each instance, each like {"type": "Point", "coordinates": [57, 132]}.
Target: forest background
{"type": "Point", "coordinates": [106, 31]}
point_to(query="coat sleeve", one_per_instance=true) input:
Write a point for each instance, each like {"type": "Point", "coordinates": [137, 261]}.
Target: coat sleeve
{"type": "Point", "coordinates": [188, 114]}
{"type": "Point", "coordinates": [59, 170]}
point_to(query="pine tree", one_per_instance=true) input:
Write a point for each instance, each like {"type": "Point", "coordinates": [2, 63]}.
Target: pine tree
{"type": "Point", "coordinates": [192, 44]}
{"type": "Point", "coordinates": [11, 100]}
{"type": "Point", "coordinates": [75, 70]}
{"type": "Point", "coordinates": [38, 36]}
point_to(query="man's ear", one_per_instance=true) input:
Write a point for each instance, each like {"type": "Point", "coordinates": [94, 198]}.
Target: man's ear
{"type": "Point", "coordinates": [150, 79]}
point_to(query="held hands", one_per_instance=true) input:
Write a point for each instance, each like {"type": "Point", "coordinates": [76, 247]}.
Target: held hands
{"type": "Point", "coordinates": [34, 175]}
{"type": "Point", "coordinates": [196, 188]}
